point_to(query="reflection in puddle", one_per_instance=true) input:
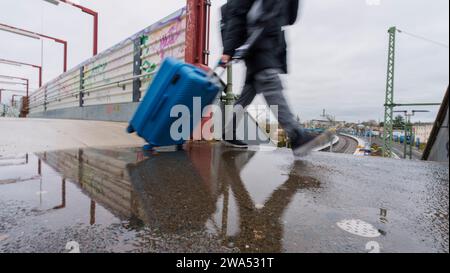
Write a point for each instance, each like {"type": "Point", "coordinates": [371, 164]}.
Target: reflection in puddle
{"type": "Point", "coordinates": [206, 198]}
{"type": "Point", "coordinates": [183, 199]}
{"type": "Point", "coordinates": [178, 194]}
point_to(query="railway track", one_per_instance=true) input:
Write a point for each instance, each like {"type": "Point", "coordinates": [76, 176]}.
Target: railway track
{"type": "Point", "coordinates": [346, 145]}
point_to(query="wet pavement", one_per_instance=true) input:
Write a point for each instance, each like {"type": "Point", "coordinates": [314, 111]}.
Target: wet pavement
{"type": "Point", "coordinates": [209, 198]}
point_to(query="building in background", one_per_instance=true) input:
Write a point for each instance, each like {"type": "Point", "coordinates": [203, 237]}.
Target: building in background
{"type": "Point", "coordinates": [422, 131]}
{"type": "Point", "coordinates": [323, 124]}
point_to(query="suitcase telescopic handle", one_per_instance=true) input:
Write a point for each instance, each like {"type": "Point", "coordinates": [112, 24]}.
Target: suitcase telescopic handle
{"type": "Point", "coordinates": [216, 76]}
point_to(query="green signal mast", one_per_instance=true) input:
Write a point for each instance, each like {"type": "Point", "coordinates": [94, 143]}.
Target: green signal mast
{"type": "Point", "coordinates": [389, 102]}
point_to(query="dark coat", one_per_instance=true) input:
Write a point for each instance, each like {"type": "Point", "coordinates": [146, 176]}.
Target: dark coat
{"type": "Point", "coordinates": [269, 51]}
{"type": "Point", "coordinates": [289, 17]}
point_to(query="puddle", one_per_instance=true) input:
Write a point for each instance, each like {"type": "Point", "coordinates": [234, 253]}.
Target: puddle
{"type": "Point", "coordinates": [209, 198]}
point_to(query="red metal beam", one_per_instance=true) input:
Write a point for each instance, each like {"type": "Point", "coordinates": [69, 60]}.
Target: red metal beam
{"type": "Point", "coordinates": [26, 64]}
{"type": "Point", "coordinates": [27, 81]}
{"type": "Point", "coordinates": [8, 90]}
{"type": "Point", "coordinates": [57, 40]}
{"type": "Point", "coordinates": [95, 15]}
{"type": "Point", "coordinates": [12, 99]}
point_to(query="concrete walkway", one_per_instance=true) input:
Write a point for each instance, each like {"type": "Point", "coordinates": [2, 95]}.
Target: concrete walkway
{"type": "Point", "coordinates": [34, 135]}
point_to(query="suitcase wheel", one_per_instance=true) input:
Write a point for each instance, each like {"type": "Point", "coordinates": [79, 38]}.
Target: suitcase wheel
{"type": "Point", "coordinates": [148, 147]}
{"type": "Point", "coordinates": [130, 129]}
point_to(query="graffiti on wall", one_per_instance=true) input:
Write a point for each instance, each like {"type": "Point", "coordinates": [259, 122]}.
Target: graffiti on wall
{"type": "Point", "coordinates": [148, 68]}
{"type": "Point", "coordinates": [104, 73]}
{"type": "Point", "coordinates": [164, 42]}
{"type": "Point", "coordinates": [96, 70]}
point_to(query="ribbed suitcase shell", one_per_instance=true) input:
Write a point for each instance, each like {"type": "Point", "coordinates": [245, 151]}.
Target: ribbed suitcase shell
{"type": "Point", "coordinates": [175, 83]}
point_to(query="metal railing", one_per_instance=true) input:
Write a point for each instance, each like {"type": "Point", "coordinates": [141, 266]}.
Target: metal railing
{"type": "Point", "coordinates": [120, 74]}
{"type": "Point", "coordinates": [9, 111]}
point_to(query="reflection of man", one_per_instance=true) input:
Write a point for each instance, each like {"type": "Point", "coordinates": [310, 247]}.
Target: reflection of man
{"type": "Point", "coordinates": [172, 194]}
{"type": "Point", "coordinates": [261, 229]}
{"type": "Point", "coordinates": [180, 200]}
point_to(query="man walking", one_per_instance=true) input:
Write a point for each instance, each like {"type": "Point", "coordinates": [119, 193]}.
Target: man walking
{"type": "Point", "coordinates": [265, 60]}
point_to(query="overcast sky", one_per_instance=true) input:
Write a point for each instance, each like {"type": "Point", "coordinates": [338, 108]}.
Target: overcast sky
{"type": "Point", "coordinates": [338, 48]}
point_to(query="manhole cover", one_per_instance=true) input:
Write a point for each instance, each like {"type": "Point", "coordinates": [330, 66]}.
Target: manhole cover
{"type": "Point", "coordinates": [359, 227]}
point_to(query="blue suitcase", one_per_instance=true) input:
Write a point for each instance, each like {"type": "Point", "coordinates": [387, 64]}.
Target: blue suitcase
{"type": "Point", "coordinates": [175, 83]}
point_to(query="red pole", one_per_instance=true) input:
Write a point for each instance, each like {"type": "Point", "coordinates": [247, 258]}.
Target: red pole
{"type": "Point", "coordinates": [95, 34]}
{"type": "Point", "coordinates": [65, 56]}
{"type": "Point", "coordinates": [32, 65]}
{"type": "Point", "coordinates": [95, 15]}
{"type": "Point", "coordinates": [196, 32]}
{"type": "Point", "coordinates": [40, 75]}
{"type": "Point", "coordinates": [27, 81]}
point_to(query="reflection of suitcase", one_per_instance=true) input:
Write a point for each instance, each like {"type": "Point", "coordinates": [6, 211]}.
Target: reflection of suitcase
{"type": "Point", "coordinates": [172, 202]}
{"type": "Point", "coordinates": [176, 83]}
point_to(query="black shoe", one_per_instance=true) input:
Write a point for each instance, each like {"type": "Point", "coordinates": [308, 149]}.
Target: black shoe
{"type": "Point", "coordinates": [235, 143]}
{"type": "Point", "coordinates": [304, 142]}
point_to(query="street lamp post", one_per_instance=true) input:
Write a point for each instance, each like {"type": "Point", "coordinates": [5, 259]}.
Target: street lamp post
{"type": "Point", "coordinates": [85, 10]}
{"type": "Point", "coordinates": [35, 35]}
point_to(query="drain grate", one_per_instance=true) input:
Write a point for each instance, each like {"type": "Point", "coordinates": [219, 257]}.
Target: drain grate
{"type": "Point", "coordinates": [359, 228]}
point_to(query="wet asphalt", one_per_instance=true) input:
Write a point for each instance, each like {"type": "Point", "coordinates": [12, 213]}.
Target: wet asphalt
{"type": "Point", "coordinates": [209, 198]}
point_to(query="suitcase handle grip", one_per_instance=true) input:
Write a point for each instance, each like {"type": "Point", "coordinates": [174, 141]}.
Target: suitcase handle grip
{"type": "Point", "coordinates": [158, 106]}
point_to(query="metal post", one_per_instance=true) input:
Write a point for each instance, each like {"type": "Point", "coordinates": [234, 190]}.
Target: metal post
{"type": "Point", "coordinates": [81, 93]}
{"type": "Point", "coordinates": [65, 56]}
{"type": "Point", "coordinates": [226, 197]}
{"type": "Point", "coordinates": [229, 96]}
{"type": "Point", "coordinates": [92, 213]}
{"type": "Point", "coordinates": [404, 138]}
{"type": "Point", "coordinates": [137, 63]}
{"type": "Point", "coordinates": [39, 167]}
{"type": "Point", "coordinates": [63, 193]}
{"type": "Point", "coordinates": [411, 140]}
{"type": "Point", "coordinates": [389, 100]}
{"type": "Point", "coordinates": [45, 98]}
{"type": "Point", "coordinates": [28, 86]}
{"type": "Point", "coordinates": [95, 33]}
{"type": "Point", "coordinates": [40, 75]}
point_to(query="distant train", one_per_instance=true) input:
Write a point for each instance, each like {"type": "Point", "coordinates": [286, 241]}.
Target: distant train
{"type": "Point", "coordinates": [315, 130]}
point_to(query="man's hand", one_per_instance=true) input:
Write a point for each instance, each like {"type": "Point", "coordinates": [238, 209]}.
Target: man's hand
{"type": "Point", "coordinates": [225, 60]}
